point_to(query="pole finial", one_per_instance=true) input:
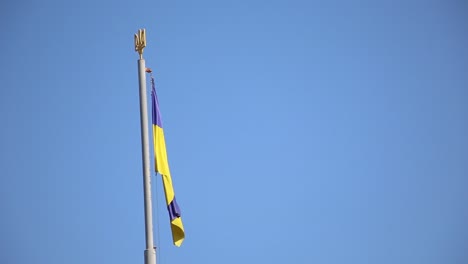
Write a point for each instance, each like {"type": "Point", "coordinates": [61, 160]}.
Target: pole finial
{"type": "Point", "coordinates": [140, 42]}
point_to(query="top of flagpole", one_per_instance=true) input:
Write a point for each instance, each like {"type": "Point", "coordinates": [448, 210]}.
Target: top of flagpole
{"type": "Point", "coordinates": [140, 42]}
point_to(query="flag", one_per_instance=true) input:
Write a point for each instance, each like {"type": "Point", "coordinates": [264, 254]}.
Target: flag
{"type": "Point", "coordinates": [162, 167]}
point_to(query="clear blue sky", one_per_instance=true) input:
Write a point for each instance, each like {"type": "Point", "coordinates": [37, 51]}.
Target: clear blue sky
{"type": "Point", "coordinates": [297, 131]}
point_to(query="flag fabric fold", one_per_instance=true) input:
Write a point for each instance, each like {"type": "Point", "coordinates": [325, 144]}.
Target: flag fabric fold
{"type": "Point", "coordinates": [162, 167]}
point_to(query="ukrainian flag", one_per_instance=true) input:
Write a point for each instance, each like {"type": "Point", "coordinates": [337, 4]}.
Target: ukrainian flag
{"type": "Point", "coordinates": [162, 166]}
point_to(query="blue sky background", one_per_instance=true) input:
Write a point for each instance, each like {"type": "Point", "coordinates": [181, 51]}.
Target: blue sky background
{"type": "Point", "coordinates": [297, 131]}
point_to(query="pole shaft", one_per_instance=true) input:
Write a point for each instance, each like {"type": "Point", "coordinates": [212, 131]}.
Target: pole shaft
{"type": "Point", "coordinates": [150, 252]}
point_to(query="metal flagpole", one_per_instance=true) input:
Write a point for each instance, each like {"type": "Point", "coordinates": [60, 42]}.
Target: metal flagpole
{"type": "Point", "coordinates": [150, 251]}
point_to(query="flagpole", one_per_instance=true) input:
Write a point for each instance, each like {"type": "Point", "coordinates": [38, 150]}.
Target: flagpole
{"type": "Point", "coordinates": [150, 251]}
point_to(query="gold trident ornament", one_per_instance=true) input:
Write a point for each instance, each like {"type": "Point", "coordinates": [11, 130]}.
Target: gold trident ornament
{"type": "Point", "coordinates": [140, 42]}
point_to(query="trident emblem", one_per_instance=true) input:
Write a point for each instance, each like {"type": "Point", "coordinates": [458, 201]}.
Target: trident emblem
{"type": "Point", "coordinates": [140, 42]}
